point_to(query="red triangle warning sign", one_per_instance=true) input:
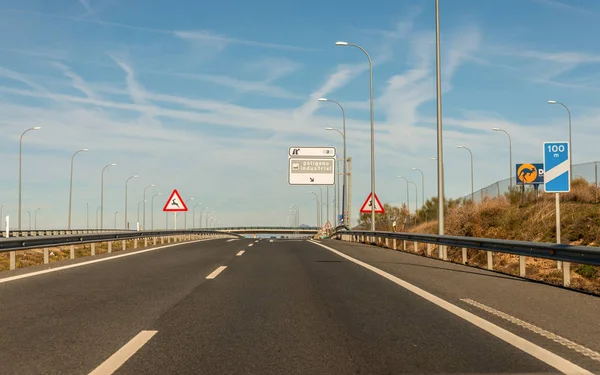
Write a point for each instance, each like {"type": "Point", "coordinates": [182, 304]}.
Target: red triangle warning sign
{"type": "Point", "coordinates": [366, 207]}
{"type": "Point", "coordinates": [175, 203]}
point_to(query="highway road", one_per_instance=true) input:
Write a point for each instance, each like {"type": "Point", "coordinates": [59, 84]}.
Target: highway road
{"type": "Point", "coordinates": [249, 306]}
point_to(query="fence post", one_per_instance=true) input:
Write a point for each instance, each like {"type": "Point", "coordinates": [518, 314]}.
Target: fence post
{"type": "Point", "coordinates": [109, 245]}
{"type": "Point", "coordinates": [522, 266]}
{"type": "Point", "coordinates": [13, 260]}
{"type": "Point", "coordinates": [490, 261]}
{"type": "Point", "coordinates": [566, 271]}
{"type": "Point", "coordinates": [92, 249]}
{"type": "Point", "coordinates": [464, 255]}
{"type": "Point", "coordinates": [46, 255]}
{"type": "Point", "coordinates": [72, 251]}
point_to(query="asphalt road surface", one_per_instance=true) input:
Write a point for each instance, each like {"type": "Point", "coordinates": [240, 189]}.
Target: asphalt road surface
{"type": "Point", "coordinates": [244, 307]}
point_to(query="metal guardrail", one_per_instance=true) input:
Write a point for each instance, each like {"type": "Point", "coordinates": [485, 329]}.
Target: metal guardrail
{"type": "Point", "coordinates": [59, 232]}
{"type": "Point", "coordinates": [556, 252]}
{"type": "Point", "coordinates": [36, 242]}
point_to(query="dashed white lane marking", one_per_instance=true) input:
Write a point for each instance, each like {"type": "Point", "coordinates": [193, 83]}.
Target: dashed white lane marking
{"type": "Point", "coordinates": [540, 331]}
{"type": "Point", "coordinates": [216, 272]}
{"type": "Point", "coordinates": [240, 253]}
{"type": "Point", "coordinates": [528, 347]}
{"type": "Point", "coordinates": [121, 356]}
{"type": "Point", "coordinates": [232, 239]}
{"type": "Point", "coordinates": [270, 240]}
{"type": "Point", "coordinates": [250, 244]}
{"type": "Point", "coordinates": [30, 274]}
{"type": "Point", "coordinates": [256, 241]}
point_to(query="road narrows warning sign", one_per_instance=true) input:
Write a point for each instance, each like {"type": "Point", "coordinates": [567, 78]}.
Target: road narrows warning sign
{"type": "Point", "coordinates": [175, 203]}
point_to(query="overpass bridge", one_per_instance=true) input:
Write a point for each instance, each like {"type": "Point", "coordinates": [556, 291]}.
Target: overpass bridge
{"type": "Point", "coordinates": [269, 230]}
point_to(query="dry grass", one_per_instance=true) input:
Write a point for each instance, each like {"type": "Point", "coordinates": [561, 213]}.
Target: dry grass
{"type": "Point", "coordinates": [532, 221]}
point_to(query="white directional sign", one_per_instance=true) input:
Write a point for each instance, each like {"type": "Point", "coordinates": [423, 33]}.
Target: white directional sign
{"type": "Point", "coordinates": [312, 171]}
{"type": "Point", "coordinates": [311, 166]}
{"type": "Point", "coordinates": [328, 152]}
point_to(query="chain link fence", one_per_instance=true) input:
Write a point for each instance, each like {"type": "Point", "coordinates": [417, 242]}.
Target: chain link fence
{"type": "Point", "coordinates": [587, 171]}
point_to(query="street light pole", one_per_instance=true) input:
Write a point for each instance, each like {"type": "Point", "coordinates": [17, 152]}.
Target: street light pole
{"type": "Point", "coordinates": [440, 153]}
{"type": "Point", "coordinates": [21, 167]}
{"type": "Point", "coordinates": [116, 213]}
{"type": "Point", "coordinates": [202, 213]}
{"type": "Point", "coordinates": [510, 153]}
{"type": "Point", "coordinates": [318, 208]}
{"type": "Point", "coordinates": [416, 197]}
{"type": "Point", "coordinates": [407, 194]}
{"type": "Point", "coordinates": [185, 216]}
{"type": "Point", "coordinates": [138, 211]}
{"type": "Point", "coordinates": [343, 134]}
{"type": "Point", "coordinates": [422, 186]}
{"type": "Point", "coordinates": [570, 145]}
{"type": "Point", "coordinates": [87, 215]}
{"type": "Point", "coordinates": [472, 189]}
{"type": "Point", "coordinates": [194, 215]}
{"type": "Point", "coordinates": [152, 209]}
{"type": "Point", "coordinates": [29, 213]}
{"type": "Point", "coordinates": [126, 181]}
{"type": "Point", "coordinates": [35, 218]}
{"type": "Point", "coordinates": [372, 128]}
{"type": "Point", "coordinates": [71, 185]}
{"type": "Point", "coordinates": [102, 194]}
{"type": "Point", "coordinates": [144, 218]}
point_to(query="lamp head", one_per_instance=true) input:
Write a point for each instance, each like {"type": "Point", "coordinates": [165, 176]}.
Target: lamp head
{"type": "Point", "coordinates": [551, 101]}
{"type": "Point", "coordinates": [113, 164]}
{"type": "Point", "coordinates": [85, 149]}
{"type": "Point", "coordinates": [322, 99]}
{"type": "Point", "coordinates": [341, 43]}
{"type": "Point", "coordinates": [328, 128]}
{"type": "Point", "coordinates": [496, 129]}
{"type": "Point", "coordinates": [37, 128]}
{"type": "Point", "coordinates": [460, 146]}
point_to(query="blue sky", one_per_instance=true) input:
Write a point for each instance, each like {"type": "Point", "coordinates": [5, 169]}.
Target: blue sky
{"type": "Point", "coordinates": [206, 97]}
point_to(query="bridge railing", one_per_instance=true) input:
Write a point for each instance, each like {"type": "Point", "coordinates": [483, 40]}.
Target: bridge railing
{"type": "Point", "coordinates": [440, 244]}
{"type": "Point", "coordinates": [12, 245]}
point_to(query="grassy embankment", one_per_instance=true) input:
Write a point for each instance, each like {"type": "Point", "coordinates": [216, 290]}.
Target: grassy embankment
{"type": "Point", "coordinates": [508, 218]}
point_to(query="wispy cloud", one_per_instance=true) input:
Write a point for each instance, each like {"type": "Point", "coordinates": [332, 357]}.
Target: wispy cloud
{"type": "Point", "coordinates": [77, 81]}
{"type": "Point", "coordinates": [569, 7]}
{"type": "Point", "coordinates": [136, 90]}
{"type": "Point", "coordinates": [87, 6]}
{"type": "Point", "coordinates": [207, 36]}
{"type": "Point", "coordinates": [342, 76]}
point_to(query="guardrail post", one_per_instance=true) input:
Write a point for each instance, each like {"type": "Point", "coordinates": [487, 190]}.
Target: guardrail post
{"type": "Point", "coordinates": [464, 255]}
{"type": "Point", "coordinates": [522, 271]}
{"type": "Point", "coordinates": [154, 241]}
{"type": "Point", "coordinates": [13, 260]}
{"type": "Point", "coordinates": [404, 245]}
{"type": "Point", "coordinates": [490, 261]}
{"type": "Point", "coordinates": [135, 243]}
{"type": "Point", "coordinates": [93, 249]}
{"type": "Point", "coordinates": [566, 271]}
{"type": "Point", "coordinates": [124, 245]}
{"type": "Point", "coordinates": [46, 255]}
{"type": "Point", "coordinates": [72, 251]}
{"type": "Point", "coordinates": [162, 240]}
{"type": "Point", "coordinates": [145, 241]}
{"type": "Point", "coordinates": [394, 244]}
{"type": "Point", "coordinates": [428, 249]}
{"type": "Point", "coordinates": [109, 246]}
{"type": "Point", "coordinates": [386, 242]}
{"type": "Point", "coordinates": [415, 246]}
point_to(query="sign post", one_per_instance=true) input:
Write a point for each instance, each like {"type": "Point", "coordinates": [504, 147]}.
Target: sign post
{"type": "Point", "coordinates": [557, 179]}
{"type": "Point", "coordinates": [175, 204]}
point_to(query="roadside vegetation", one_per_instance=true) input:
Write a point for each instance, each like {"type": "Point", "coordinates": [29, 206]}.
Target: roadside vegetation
{"type": "Point", "coordinates": [517, 215]}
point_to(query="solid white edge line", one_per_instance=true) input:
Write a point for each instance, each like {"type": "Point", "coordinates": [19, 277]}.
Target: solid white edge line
{"type": "Point", "coordinates": [36, 273]}
{"type": "Point", "coordinates": [528, 347]}
{"type": "Point", "coordinates": [216, 272]}
{"type": "Point", "coordinates": [240, 253]}
{"type": "Point", "coordinates": [121, 356]}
